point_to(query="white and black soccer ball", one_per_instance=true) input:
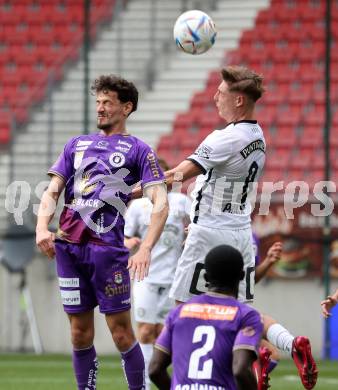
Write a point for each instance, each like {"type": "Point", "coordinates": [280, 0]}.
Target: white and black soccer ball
{"type": "Point", "coordinates": [194, 32]}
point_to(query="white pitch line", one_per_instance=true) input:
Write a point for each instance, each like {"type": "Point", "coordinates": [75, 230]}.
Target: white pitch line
{"type": "Point", "coordinates": [49, 363]}
{"type": "Point", "coordinates": [295, 378]}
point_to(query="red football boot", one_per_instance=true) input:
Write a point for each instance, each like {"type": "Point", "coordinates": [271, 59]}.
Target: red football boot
{"type": "Point", "coordinates": [260, 368]}
{"type": "Point", "coordinates": [302, 356]}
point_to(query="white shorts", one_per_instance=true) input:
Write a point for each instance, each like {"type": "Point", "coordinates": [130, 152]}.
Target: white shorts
{"type": "Point", "coordinates": [151, 302]}
{"type": "Point", "coordinates": [189, 280]}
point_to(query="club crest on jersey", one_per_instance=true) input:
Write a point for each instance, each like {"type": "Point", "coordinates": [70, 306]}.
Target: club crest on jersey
{"type": "Point", "coordinates": [118, 278]}
{"type": "Point", "coordinates": [102, 144]}
{"type": "Point", "coordinates": [117, 159]}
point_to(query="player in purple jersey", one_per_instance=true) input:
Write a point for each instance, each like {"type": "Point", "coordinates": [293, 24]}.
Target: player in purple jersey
{"type": "Point", "coordinates": [97, 172]}
{"type": "Point", "coordinates": [212, 339]}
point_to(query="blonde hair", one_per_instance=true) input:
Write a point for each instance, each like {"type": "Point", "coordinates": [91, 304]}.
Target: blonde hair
{"type": "Point", "coordinates": [242, 79]}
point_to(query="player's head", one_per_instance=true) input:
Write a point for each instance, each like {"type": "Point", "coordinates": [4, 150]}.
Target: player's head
{"type": "Point", "coordinates": [238, 92]}
{"type": "Point", "coordinates": [163, 164]}
{"type": "Point", "coordinates": [116, 99]}
{"type": "Point", "coordinates": [224, 268]}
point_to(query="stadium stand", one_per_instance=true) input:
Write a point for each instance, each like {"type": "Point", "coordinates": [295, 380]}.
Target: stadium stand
{"type": "Point", "coordinates": [286, 45]}
{"type": "Point", "coordinates": [37, 39]}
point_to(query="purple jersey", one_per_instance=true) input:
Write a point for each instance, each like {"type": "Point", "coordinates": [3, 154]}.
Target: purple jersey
{"type": "Point", "coordinates": [99, 172]}
{"type": "Point", "coordinates": [201, 335]}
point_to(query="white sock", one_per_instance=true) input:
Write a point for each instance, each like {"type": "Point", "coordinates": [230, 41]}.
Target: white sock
{"type": "Point", "coordinates": [280, 337]}
{"type": "Point", "coordinates": [147, 350]}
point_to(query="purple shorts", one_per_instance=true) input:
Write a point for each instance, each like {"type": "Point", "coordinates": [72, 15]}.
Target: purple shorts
{"type": "Point", "coordinates": [91, 275]}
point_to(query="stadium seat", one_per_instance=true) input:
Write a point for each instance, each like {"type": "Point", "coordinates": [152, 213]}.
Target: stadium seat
{"type": "Point", "coordinates": [37, 38]}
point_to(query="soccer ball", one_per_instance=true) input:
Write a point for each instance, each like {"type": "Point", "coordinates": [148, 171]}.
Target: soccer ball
{"type": "Point", "coordinates": [194, 32]}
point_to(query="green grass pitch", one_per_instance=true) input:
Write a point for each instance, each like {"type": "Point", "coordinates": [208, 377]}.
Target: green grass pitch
{"type": "Point", "coordinates": [54, 372]}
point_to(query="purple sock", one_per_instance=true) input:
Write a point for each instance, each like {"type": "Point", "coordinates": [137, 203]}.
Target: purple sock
{"type": "Point", "coordinates": [85, 365]}
{"type": "Point", "coordinates": [272, 365]}
{"type": "Point", "coordinates": [133, 366]}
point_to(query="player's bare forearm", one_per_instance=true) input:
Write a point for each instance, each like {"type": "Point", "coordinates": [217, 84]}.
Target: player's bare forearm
{"type": "Point", "coordinates": [158, 218]}
{"type": "Point", "coordinates": [245, 380]}
{"type": "Point", "coordinates": [184, 171]}
{"type": "Point", "coordinates": [140, 262]}
{"type": "Point", "coordinates": [49, 199]}
{"type": "Point", "coordinates": [241, 368]}
{"type": "Point", "coordinates": [261, 270]}
{"type": "Point", "coordinates": [158, 369]}
{"type": "Point", "coordinates": [272, 257]}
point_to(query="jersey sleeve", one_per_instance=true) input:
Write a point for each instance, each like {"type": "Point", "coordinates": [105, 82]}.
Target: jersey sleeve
{"type": "Point", "coordinates": [215, 149]}
{"type": "Point", "coordinates": [250, 333]}
{"type": "Point", "coordinates": [63, 166]}
{"type": "Point", "coordinates": [148, 167]}
{"type": "Point", "coordinates": [164, 340]}
{"type": "Point", "coordinates": [131, 219]}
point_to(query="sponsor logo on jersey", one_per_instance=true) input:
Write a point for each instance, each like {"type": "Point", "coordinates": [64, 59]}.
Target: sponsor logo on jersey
{"type": "Point", "coordinates": [122, 149]}
{"type": "Point", "coordinates": [71, 298]}
{"type": "Point", "coordinates": [120, 142]}
{"type": "Point", "coordinates": [111, 290]}
{"type": "Point", "coordinates": [153, 166]}
{"type": "Point", "coordinates": [206, 311]}
{"type": "Point", "coordinates": [69, 282]}
{"type": "Point", "coordinates": [95, 203]}
{"type": "Point", "coordinates": [102, 144]}
{"type": "Point", "coordinates": [203, 151]}
{"type": "Point", "coordinates": [258, 144]}
{"type": "Point", "coordinates": [117, 159]}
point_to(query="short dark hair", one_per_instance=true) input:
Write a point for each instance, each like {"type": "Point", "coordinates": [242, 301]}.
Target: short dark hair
{"type": "Point", "coordinates": [242, 79]}
{"type": "Point", "coordinates": [126, 90]}
{"type": "Point", "coordinates": [224, 266]}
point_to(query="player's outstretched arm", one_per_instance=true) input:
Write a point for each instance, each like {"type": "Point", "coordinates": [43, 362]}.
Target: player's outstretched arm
{"type": "Point", "coordinates": [272, 257]}
{"type": "Point", "coordinates": [329, 303]}
{"type": "Point", "coordinates": [45, 238]}
{"type": "Point", "coordinates": [242, 369]}
{"type": "Point", "coordinates": [140, 262]}
{"type": "Point", "coordinates": [184, 171]}
{"type": "Point", "coordinates": [158, 373]}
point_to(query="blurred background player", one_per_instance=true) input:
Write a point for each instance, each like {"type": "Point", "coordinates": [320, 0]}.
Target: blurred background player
{"type": "Point", "coordinates": [328, 303]}
{"type": "Point", "coordinates": [91, 258]}
{"type": "Point", "coordinates": [212, 339]}
{"type": "Point", "coordinates": [275, 335]}
{"type": "Point", "coordinates": [151, 296]}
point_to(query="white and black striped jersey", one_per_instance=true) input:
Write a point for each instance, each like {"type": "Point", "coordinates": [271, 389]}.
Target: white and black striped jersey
{"type": "Point", "coordinates": [232, 160]}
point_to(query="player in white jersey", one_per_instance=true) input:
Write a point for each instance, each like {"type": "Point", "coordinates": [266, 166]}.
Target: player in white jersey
{"type": "Point", "coordinates": [151, 295]}
{"type": "Point", "coordinates": [228, 162]}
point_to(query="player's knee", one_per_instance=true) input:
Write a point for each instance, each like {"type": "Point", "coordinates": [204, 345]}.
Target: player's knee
{"type": "Point", "coordinates": [146, 333]}
{"type": "Point", "coordinates": [82, 337]}
{"type": "Point", "coordinates": [123, 338]}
